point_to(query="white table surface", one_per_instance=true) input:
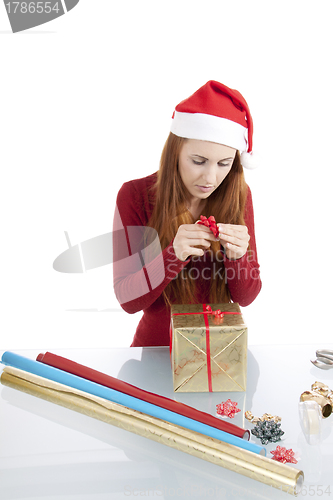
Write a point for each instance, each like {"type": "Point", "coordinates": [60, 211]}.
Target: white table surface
{"type": "Point", "coordinates": [52, 453]}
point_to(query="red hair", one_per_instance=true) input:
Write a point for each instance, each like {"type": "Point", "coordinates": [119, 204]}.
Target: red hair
{"type": "Point", "coordinates": [226, 203]}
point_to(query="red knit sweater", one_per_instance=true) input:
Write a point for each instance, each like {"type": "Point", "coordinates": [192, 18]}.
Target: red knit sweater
{"type": "Point", "coordinates": [140, 274]}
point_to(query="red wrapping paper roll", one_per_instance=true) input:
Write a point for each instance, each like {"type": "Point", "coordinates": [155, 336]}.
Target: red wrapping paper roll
{"type": "Point", "coordinates": [119, 385]}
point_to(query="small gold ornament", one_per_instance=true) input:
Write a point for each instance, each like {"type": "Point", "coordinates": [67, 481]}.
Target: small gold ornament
{"type": "Point", "coordinates": [248, 415]}
{"type": "Point", "coordinates": [266, 417]}
{"type": "Point", "coordinates": [321, 388]}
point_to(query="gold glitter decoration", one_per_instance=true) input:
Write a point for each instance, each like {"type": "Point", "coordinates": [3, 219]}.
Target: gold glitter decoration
{"type": "Point", "coordinates": [321, 388]}
{"type": "Point", "coordinates": [266, 417]}
{"type": "Point", "coordinates": [248, 415]}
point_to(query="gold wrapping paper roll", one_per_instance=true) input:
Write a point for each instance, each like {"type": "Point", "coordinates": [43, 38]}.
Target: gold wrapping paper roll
{"type": "Point", "coordinates": [244, 462]}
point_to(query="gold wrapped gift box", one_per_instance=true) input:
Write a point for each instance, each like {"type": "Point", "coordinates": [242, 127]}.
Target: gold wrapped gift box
{"type": "Point", "coordinates": [208, 353]}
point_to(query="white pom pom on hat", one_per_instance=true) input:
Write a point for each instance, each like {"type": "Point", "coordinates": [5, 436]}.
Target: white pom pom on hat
{"type": "Point", "coordinates": [249, 161]}
{"type": "Point", "coordinates": [218, 114]}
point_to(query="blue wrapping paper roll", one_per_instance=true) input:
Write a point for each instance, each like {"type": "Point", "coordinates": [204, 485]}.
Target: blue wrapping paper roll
{"type": "Point", "coordinates": [31, 366]}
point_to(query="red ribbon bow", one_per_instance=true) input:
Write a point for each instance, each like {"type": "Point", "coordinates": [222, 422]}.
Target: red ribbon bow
{"type": "Point", "coordinates": [210, 223]}
{"type": "Point", "coordinates": [227, 408]}
{"type": "Point", "coordinates": [283, 455]}
{"type": "Point", "coordinates": [218, 314]}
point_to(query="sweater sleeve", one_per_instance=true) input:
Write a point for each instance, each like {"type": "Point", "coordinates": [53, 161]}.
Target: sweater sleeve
{"type": "Point", "coordinates": [141, 270]}
{"type": "Point", "coordinates": [242, 275]}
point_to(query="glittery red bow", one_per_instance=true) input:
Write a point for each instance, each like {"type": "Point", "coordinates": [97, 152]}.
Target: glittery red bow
{"type": "Point", "coordinates": [227, 409]}
{"type": "Point", "coordinates": [283, 455]}
{"type": "Point", "coordinates": [210, 223]}
{"type": "Point", "coordinates": [218, 313]}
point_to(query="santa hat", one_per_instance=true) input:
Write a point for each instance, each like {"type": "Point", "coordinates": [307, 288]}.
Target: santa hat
{"type": "Point", "coordinates": [218, 114]}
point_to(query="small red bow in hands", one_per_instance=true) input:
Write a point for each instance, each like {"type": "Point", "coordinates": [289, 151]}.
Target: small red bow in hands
{"type": "Point", "coordinates": [210, 223]}
{"type": "Point", "coordinates": [227, 409]}
{"type": "Point", "coordinates": [283, 455]}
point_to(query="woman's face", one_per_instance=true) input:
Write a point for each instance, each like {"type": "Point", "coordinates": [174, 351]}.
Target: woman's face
{"type": "Point", "coordinates": [203, 166]}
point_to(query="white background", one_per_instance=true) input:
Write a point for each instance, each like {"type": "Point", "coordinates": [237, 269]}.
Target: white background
{"type": "Point", "coordinates": [86, 104]}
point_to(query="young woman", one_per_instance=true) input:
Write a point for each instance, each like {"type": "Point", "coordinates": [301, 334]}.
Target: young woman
{"type": "Point", "coordinates": [200, 173]}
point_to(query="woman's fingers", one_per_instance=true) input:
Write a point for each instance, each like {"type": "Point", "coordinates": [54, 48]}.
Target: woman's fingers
{"type": "Point", "coordinates": [236, 235]}
{"type": "Point", "coordinates": [235, 239]}
{"type": "Point", "coordinates": [232, 229]}
{"type": "Point", "coordinates": [193, 234]}
{"type": "Point", "coordinates": [194, 231]}
{"type": "Point", "coordinates": [190, 236]}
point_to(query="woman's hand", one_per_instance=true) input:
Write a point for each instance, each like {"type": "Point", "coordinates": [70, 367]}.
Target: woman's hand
{"type": "Point", "coordinates": [235, 240]}
{"type": "Point", "coordinates": [188, 237]}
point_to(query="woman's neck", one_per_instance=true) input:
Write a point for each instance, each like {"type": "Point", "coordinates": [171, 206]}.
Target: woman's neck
{"type": "Point", "coordinates": [196, 207]}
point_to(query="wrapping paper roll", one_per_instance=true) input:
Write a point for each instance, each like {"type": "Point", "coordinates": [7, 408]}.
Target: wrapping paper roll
{"type": "Point", "coordinates": [12, 359]}
{"type": "Point", "coordinates": [225, 455]}
{"type": "Point", "coordinates": [121, 386]}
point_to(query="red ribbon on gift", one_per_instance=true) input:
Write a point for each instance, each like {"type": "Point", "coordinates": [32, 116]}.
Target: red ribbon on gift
{"type": "Point", "coordinates": [210, 223]}
{"type": "Point", "coordinates": [217, 314]}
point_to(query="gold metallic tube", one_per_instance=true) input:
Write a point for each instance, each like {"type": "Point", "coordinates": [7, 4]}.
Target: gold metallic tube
{"type": "Point", "coordinates": [324, 403]}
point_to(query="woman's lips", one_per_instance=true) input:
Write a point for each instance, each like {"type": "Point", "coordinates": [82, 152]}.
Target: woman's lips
{"type": "Point", "coordinates": [205, 189]}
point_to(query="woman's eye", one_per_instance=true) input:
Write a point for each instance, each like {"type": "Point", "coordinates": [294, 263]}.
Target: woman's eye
{"type": "Point", "coordinates": [224, 164]}
{"type": "Point", "coordinates": [198, 162]}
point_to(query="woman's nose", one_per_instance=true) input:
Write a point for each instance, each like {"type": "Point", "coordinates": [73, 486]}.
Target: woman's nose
{"type": "Point", "coordinates": [209, 174]}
